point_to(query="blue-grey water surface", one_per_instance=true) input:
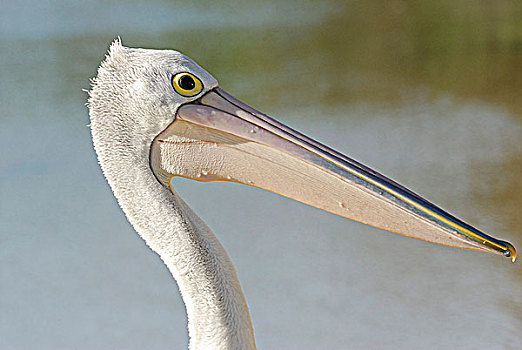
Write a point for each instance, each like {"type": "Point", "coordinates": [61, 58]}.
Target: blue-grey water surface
{"type": "Point", "coordinates": [428, 93]}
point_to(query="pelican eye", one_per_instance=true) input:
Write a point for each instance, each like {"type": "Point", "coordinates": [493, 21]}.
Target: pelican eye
{"type": "Point", "coordinates": [187, 84]}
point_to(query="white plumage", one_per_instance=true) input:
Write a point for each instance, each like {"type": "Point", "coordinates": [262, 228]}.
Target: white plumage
{"type": "Point", "coordinates": [122, 135]}
{"type": "Point", "coordinates": [145, 131]}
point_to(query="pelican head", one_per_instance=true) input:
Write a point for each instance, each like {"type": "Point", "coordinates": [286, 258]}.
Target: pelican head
{"type": "Point", "coordinates": [173, 113]}
{"type": "Point", "coordinates": [156, 115]}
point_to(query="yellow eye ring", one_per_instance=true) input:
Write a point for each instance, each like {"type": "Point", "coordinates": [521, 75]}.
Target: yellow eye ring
{"type": "Point", "coordinates": [187, 84]}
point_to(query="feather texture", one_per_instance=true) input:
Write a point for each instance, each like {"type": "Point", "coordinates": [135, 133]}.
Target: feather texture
{"type": "Point", "coordinates": [132, 101]}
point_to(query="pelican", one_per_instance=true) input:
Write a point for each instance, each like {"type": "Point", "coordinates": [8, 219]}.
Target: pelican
{"type": "Point", "coordinates": [156, 114]}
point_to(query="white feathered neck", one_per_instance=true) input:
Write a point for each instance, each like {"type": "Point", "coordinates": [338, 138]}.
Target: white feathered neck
{"type": "Point", "coordinates": [129, 104]}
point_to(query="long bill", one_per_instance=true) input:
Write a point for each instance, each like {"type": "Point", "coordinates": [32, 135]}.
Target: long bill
{"type": "Point", "coordinates": [219, 138]}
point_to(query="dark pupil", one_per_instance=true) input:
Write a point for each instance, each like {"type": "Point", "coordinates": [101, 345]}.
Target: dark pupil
{"type": "Point", "coordinates": [186, 82]}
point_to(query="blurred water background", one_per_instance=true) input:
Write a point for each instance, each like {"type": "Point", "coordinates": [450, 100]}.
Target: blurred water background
{"type": "Point", "coordinates": [428, 92]}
